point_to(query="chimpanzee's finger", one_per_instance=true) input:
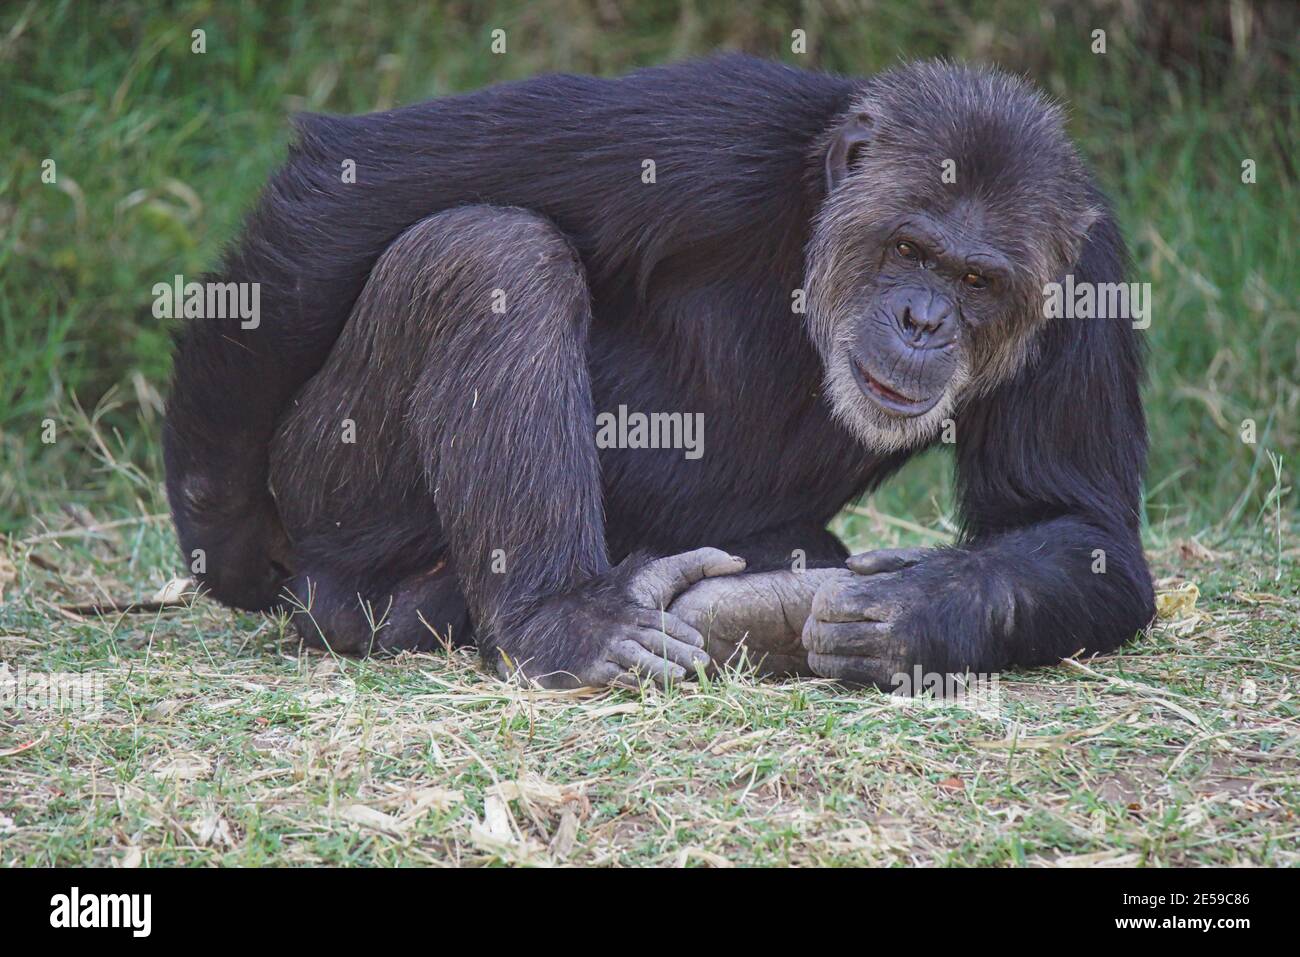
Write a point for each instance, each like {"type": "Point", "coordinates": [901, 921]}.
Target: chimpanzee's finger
{"type": "Point", "coordinates": [670, 624]}
{"type": "Point", "coordinates": [659, 641]}
{"type": "Point", "coordinates": [663, 579]}
{"type": "Point", "coordinates": [856, 638]}
{"type": "Point", "coordinates": [631, 654]}
{"type": "Point", "coordinates": [886, 560]}
{"type": "Point", "coordinates": [854, 599]}
{"type": "Point", "coordinates": [625, 679]}
{"type": "Point", "coordinates": [600, 674]}
{"type": "Point", "coordinates": [854, 670]}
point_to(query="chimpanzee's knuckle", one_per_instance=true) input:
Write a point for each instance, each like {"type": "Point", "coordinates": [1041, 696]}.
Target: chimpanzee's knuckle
{"type": "Point", "coordinates": [808, 637]}
{"type": "Point", "coordinates": [816, 636]}
{"type": "Point", "coordinates": [826, 599]}
{"type": "Point", "coordinates": [825, 666]}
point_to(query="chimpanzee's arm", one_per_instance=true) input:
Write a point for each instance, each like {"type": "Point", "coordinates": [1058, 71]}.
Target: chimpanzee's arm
{"type": "Point", "coordinates": [1049, 468]}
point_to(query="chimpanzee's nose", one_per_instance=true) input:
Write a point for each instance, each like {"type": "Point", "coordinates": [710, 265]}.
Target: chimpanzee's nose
{"type": "Point", "coordinates": [927, 320]}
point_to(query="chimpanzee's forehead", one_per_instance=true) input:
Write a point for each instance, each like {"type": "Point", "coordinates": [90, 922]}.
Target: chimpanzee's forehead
{"type": "Point", "coordinates": [974, 158]}
{"type": "Point", "coordinates": [967, 221]}
{"type": "Point", "coordinates": [967, 214]}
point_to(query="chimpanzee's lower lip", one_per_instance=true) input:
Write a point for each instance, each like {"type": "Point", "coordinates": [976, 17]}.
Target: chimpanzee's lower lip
{"type": "Point", "coordinates": [891, 401]}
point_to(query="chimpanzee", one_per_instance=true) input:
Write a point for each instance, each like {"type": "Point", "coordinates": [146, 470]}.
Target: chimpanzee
{"type": "Point", "coordinates": [831, 274]}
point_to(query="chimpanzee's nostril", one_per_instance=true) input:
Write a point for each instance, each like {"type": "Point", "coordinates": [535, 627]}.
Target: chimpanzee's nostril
{"type": "Point", "coordinates": [922, 322]}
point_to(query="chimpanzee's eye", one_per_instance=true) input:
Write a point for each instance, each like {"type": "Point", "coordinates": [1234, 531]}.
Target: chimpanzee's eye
{"type": "Point", "coordinates": [974, 280]}
{"type": "Point", "coordinates": [908, 251]}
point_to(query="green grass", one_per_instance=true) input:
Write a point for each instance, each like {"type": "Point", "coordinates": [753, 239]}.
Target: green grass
{"type": "Point", "coordinates": [223, 743]}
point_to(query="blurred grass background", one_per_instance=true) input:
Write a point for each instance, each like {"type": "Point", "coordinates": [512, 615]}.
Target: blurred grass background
{"type": "Point", "coordinates": [160, 151]}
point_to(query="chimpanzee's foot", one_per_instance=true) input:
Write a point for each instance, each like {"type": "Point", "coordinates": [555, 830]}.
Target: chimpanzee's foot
{"type": "Point", "coordinates": [419, 613]}
{"type": "Point", "coordinates": [233, 542]}
{"type": "Point", "coordinates": [761, 613]}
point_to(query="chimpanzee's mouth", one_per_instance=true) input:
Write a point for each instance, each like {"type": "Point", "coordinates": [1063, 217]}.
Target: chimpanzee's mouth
{"type": "Point", "coordinates": [890, 400]}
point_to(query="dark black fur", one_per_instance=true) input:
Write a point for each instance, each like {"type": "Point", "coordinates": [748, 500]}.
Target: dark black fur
{"type": "Point", "coordinates": [672, 296]}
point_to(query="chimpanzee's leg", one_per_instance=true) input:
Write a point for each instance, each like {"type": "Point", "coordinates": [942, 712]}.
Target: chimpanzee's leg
{"type": "Point", "coordinates": [454, 419]}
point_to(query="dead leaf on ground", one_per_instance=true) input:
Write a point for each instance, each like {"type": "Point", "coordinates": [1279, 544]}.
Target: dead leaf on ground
{"type": "Point", "coordinates": [367, 817]}
{"type": "Point", "coordinates": [182, 767]}
{"type": "Point", "coordinates": [1193, 551]}
{"type": "Point", "coordinates": [1259, 598]}
{"type": "Point", "coordinates": [566, 835]}
{"type": "Point", "coordinates": [688, 854]}
{"type": "Point", "coordinates": [7, 574]}
{"type": "Point", "coordinates": [1176, 609]}
{"type": "Point", "coordinates": [531, 789]}
{"type": "Point", "coordinates": [214, 831]}
{"type": "Point", "coordinates": [174, 591]}
{"type": "Point", "coordinates": [1177, 602]}
{"type": "Point", "coordinates": [496, 832]}
{"type": "Point", "coordinates": [131, 858]}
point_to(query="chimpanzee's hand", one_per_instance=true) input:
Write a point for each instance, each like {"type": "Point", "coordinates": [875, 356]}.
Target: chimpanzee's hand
{"type": "Point", "coordinates": [631, 634]}
{"type": "Point", "coordinates": [867, 627]}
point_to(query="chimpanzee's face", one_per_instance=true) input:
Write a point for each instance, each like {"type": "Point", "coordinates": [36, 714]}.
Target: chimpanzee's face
{"type": "Point", "coordinates": [937, 278]}
{"type": "Point", "coordinates": [927, 309]}
{"type": "Point", "coordinates": [949, 204]}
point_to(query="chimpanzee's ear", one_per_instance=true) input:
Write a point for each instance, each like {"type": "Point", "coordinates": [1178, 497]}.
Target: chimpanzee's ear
{"type": "Point", "coordinates": [1076, 235]}
{"type": "Point", "coordinates": [846, 145]}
